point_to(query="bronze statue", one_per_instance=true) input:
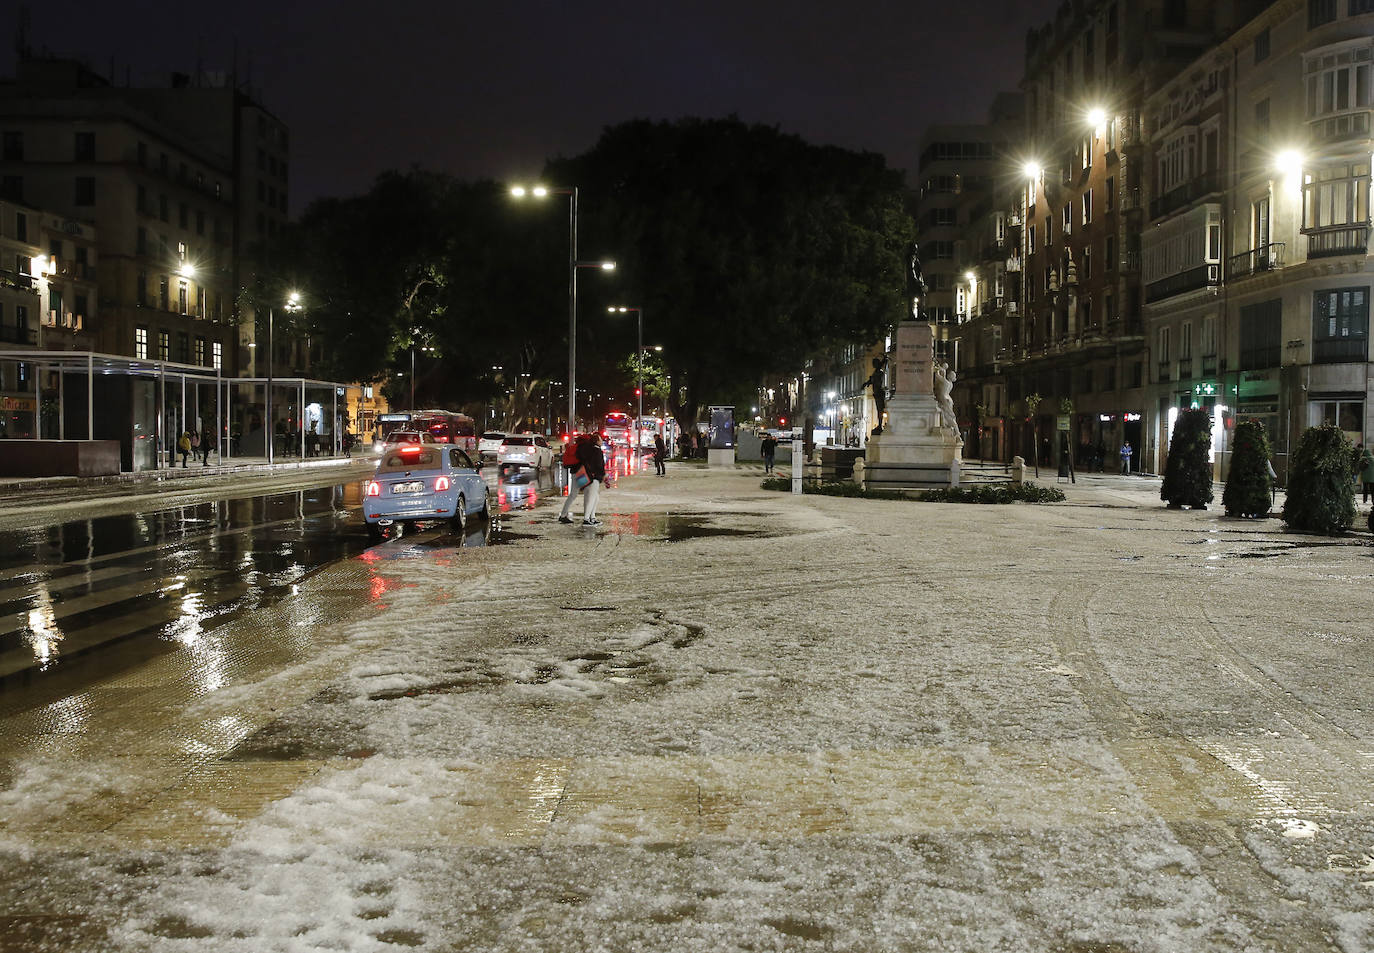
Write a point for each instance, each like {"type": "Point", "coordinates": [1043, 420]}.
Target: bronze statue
{"type": "Point", "coordinates": [878, 381]}
{"type": "Point", "coordinates": [915, 280]}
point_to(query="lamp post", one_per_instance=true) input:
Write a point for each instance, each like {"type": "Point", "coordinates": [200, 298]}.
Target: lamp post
{"type": "Point", "coordinates": [639, 362]}
{"type": "Point", "coordinates": [539, 192]}
{"type": "Point", "coordinates": [293, 304]}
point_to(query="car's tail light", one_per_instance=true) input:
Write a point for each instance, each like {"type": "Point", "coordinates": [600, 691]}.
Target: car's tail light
{"type": "Point", "coordinates": [374, 488]}
{"type": "Point", "coordinates": [410, 451]}
{"type": "Point", "coordinates": [441, 484]}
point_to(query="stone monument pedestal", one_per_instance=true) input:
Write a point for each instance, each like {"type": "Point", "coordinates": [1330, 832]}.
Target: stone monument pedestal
{"type": "Point", "coordinates": [720, 458]}
{"type": "Point", "coordinates": [915, 448]}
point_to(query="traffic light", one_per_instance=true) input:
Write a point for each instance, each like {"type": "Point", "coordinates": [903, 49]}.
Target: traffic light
{"type": "Point", "coordinates": [636, 391]}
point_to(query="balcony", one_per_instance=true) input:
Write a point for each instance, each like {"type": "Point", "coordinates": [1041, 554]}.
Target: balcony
{"type": "Point", "coordinates": [1350, 350]}
{"type": "Point", "coordinates": [1204, 185]}
{"type": "Point", "coordinates": [1340, 240]}
{"type": "Point", "coordinates": [1264, 258]}
{"type": "Point", "coordinates": [1203, 276]}
{"type": "Point", "coordinates": [1209, 365]}
{"type": "Point", "coordinates": [1164, 368]}
{"type": "Point", "coordinates": [1185, 368]}
{"type": "Point", "coordinates": [1130, 262]}
{"type": "Point", "coordinates": [1130, 199]}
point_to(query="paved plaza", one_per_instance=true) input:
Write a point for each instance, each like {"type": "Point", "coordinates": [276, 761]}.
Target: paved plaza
{"type": "Point", "coordinates": [733, 720]}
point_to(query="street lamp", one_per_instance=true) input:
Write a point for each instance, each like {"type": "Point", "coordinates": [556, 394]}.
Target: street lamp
{"type": "Point", "coordinates": [293, 304]}
{"type": "Point", "coordinates": [539, 192]}
{"type": "Point", "coordinates": [639, 362]}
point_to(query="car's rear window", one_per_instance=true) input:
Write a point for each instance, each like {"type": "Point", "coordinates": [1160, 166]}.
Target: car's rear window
{"type": "Point", "coordinates": [520, 441]}
{"type": "Point", "coordinates": [426, 459]}
{"type": "Point", "coordinates": [494, 435]}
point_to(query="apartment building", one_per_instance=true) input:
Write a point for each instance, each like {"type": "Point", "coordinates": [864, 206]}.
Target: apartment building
{"type": "Point", "coordinates": [1059, 359]}
{"type": "Point", "coordinates": [1258, 239]}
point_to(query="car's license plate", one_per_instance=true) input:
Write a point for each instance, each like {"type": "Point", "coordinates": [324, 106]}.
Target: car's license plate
{"type": "Point", "coordinates": [414, 486]}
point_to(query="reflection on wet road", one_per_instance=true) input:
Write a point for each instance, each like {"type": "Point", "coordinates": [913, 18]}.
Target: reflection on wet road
{"type": "Point", "coordinates": [168, 576]}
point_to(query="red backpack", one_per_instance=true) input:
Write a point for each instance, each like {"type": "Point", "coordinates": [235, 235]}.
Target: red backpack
{"type": "Point", "coordinates": [570, 453]}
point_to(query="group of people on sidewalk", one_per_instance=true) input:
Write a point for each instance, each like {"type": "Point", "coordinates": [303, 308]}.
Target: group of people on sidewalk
{"type": "Point", "coordinates": [195, 443]}
{"type": "Point", "coordinates": [586, 463]}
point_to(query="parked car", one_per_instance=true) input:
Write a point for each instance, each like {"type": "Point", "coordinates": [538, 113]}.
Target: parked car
{"type": "Point", "coordinates": [414, 483]}
{"type": "Point", "coordinates": [400, 438]}
{"type": "Point", "coordinates": [490, 442]}
{"type": "Point", "coordinates": [525, 450]}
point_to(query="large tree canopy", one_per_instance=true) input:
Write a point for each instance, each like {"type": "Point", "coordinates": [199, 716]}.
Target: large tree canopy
{"type": "Point", "coordinates": [752, 251]}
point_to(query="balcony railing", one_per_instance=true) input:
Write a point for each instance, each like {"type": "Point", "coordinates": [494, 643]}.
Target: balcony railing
{"type": "Point", "coordinates": [1342, 240]}
{"type": "Point", "coordinates": [1186, 194]}
{"type": "Point", "coordinates": [1185, 368]}
{"type": "Point", "coordinates": [1164, 368]}
{"type": "Point", "coordinates": [1340, 350]}
{"type": "Point", "coordinates": [1209, 365]}
{"type": "Point", "coordinates": [1201, 277]}
{"type": "Point", "coordinates": [1264, 258]}
{"type": "Point", "coordinates": [1130, 261]}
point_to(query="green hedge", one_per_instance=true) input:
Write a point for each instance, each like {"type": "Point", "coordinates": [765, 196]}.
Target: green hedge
{"type": "Point", "coordinates": [1187, 471]}
{"type": "Point", "coordinates": [1248, 486]}
{"type": "Point", "coordinates": [1321, 483]}
{"type": "Point", "coordinates": [996, 493]}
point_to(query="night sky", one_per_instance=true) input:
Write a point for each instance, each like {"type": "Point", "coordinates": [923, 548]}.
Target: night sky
{"type": "Point", "coordinates": [490, 90]}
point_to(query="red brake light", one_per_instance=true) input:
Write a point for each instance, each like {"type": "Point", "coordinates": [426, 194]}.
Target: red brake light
{"type": "Point", "coordinates": [441, 484]}
{"type": "Point", "coordinates": [374, 488]}
{"type": "Point", "coordinates": [410, 451]}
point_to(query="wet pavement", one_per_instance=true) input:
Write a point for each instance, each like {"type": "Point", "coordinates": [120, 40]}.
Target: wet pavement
{"type": "Point", "coordinates": [729, 720]}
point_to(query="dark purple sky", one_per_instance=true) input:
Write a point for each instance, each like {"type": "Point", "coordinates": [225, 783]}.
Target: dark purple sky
{"type": "Point", "coordinates": [492, 89]}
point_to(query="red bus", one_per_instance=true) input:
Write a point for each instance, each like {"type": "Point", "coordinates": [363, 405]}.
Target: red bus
{"type": "Point", "coordinates": [446, 427]}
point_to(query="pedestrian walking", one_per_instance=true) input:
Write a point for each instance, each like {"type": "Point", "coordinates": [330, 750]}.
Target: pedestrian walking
{"type": "Point", "coordinates": [207, 444]}
{"type": "Point", "coordinates": [591, 473]}
{"type": "Point", "coordinates": [1367, 472]}
{"type": "Point", "coordinates": [1126, 457]}
{"type": "Point", "coordinates": [660, 452]}
{"type": "Point", "coordinates": [770, 451]}
{"type": "Point", "coordinates": [184, 446]}
{"type": "Point", "coordinates": [577, 476]}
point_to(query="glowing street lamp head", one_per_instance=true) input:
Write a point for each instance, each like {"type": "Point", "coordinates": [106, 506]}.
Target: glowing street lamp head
{"type": "Point", "coordinates": [970, 277]}
{"type": "Point", "coordinates": [187, 270]}
{"type": "Point", "coordinates": [1097, 116]}
{"type": "Point", "coordinates": [518, 191]}
{"type": "Point", "coordinates": [1032, 170]}
{"type": "Point", "coordinates": [1288, 162]}
{"type": "Point", "coordinates": [608, 266]}
{"type": "Point", "coordinates": [540, 191]}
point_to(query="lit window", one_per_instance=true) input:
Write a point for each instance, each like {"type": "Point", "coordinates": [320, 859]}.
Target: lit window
{"type": "Point", "coordinates": [141, 343]}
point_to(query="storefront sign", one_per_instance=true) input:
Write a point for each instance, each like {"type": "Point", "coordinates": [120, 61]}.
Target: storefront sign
{"type": "Point", "coordinates": [17, 404]}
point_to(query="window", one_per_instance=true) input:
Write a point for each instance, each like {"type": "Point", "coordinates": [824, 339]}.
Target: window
{"type": "Point", "coordinates": [1087, 304]}
{"type": "Point", "coordinates": [12, 187]}
{"type": "Point", "coordinates": [200, 302]}
{"type": "Point", "coordinates": [1209, 336]}
{"type": "Point", "coordinates": [217, 355]}
{"type": "Point", "coordinates": [55, 303]}
{"type": "Point", "coordinates": [1031, 243]}
{"type": "Point", "coordinates": [1347, 414]}
{"type": "Point", "coordinates": [1336, 195]}
{"type": "Point", "coordinates": [1262, 115]}
{"type": "Point", "coordinates": [1261, 335]}
{"type": "Point", "coordinates": [1087, 263]}
{"type": "Point", "coordinates": [1109, 264]}
{"type": "Point", "coordinates": [183, 215]}
{"type": "Point", "coordinates": [1087, 206]}
{"type": "Point", "coordinates": [1109, 306]}
{"type": "Point", "coordinates": [162, 207]}
{"type": "Point", "coordinates": [1185, 340]}
{"type": "Point", "coordinates": [1339, 91]}
{"type": "Point", "coordinates": [1176, 162]}
{"type": "Point", "coordinates": [1361, 6]}
{"type": "Point", "coordinates": [1086, 148]}
{"type": "Point", "coordinates": [85, 190]}
{"type": "Point", "coordinates": [13, 149]}
{"type": "Point", "coordinates": [200, 351]}
{"type": "Point", "coordinates": [84, 147]}
{"type": "Point", "coordinates": [141, 241]}
{"type": "Point", "coordinates": [1262, 45]}
{"type": "Point", "coordinates": [1163, 345]}
{"type": "Point", "coordinates": [79, 306]}
{"type": "Point", "coordinates": [182, 297]}
{"type": "Point", "coordinates": [183, 347]}
{"type": "Point", "coordinates": [1259, 223]}
{"type": "Point", "coordinates": [164, 345]}
{"type": "Point", "coordinates": [1109, 195]}
{"type": "Point", "coordinates": [141, 289]}
{"type": "Point", "coordinates": [21, 226]}
{"type": "Point", "coordinates": [1049, 231]}
{"type": "Point", "coordinates": [1319, 12]}
{"type": "Point", "coordinates": [1340, 325]}
{"type": "Point", "coordinates": [1068, 219]}
{"type": "Point", "coordinates": [164, 293]}
{"type": "Point", "coordinates": [141, 343]}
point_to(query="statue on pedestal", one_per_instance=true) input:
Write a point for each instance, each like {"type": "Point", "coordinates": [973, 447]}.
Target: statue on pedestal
{"type": "Point", "coordinates": [878, 381]}
{"type": "Point", "coordinates": [944, 386]}
{"type": "Point", "coordinates": [915, 281]}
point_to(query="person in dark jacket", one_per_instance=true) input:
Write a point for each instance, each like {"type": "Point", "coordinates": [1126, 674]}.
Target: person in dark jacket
{"type": "Point", "coordinates": [769, 448]}
{"type": "Point", "coordinates": [594, 465]}
{"type": "Point", "coordinates": [660, 454]}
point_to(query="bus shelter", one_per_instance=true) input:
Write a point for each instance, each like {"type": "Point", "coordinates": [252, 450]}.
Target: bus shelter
{"type": "Point", "coordinates": [146, 405]}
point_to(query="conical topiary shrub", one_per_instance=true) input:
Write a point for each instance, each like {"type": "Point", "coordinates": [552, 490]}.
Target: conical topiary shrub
{"type": "Point", "coordinates": [1321, 487]}
{"type": "Point", "coordinates": [1248, 486]}
{"type": "Point", "coordinates": [1187, 472]}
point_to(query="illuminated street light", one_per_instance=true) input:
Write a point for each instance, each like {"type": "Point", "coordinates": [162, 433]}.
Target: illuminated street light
{"type": "Point", "coordinates": [1032, 170]}
{"type": "Point", "coordinates": [639, 363]}
{"type": "Point", "coordinates": [539, 192]}
{"type": "Point", "coordinates": [293, 304]}
{"type": "Point", "coordinates": [1097, 117]}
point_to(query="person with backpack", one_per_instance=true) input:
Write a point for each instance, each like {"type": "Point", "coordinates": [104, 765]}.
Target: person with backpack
{"type": "Point", "coordinates": [574, 470]}
{"type": "Point", "coordinates": [593, 466]}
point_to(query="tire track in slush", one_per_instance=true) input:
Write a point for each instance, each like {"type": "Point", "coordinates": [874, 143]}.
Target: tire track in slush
{"type": "Point", "coordinates": [1180, 797]}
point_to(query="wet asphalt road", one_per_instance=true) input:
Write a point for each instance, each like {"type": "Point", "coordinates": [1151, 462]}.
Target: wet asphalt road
{"type": "Point", "coordinates": [150, 580]}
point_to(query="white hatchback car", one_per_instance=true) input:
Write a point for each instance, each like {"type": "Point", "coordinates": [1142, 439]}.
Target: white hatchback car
{"type": "Point", "coordinates": [525, 450]}
{"type": "Point", "coordinates": [490, 442]}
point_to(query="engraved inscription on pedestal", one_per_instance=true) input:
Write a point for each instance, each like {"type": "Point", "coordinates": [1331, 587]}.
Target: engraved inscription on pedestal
{"type": "Point", "coordinates": [915, 354]}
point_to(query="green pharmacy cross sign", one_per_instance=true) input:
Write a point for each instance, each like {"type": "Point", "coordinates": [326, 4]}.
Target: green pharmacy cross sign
{"type": "Point", "coordinates": [1204, 389]}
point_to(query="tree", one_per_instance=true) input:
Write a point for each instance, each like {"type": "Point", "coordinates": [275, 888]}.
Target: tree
{"type": "Point", "coordinates": [1248, 486]}
{"type": "Point", "coordinates": [1321, 483]}
{"type": "Point", "coordinates": [753, 250]}
{"type": "Point", "coordinates": [1188, 472]}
